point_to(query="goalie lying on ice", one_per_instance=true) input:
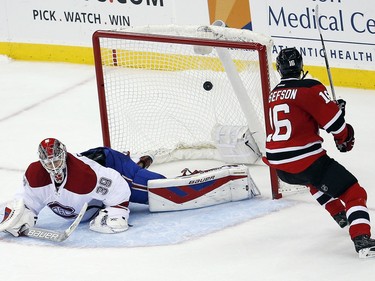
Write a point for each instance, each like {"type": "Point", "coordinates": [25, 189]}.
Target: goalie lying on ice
{"type": "Point", "coordinates": [108, 180]}
{"type": "Point", "coordinates": [191, 190]}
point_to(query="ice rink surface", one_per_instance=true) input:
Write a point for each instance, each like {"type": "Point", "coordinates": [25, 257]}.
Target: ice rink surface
{"type": "Point", "coordinates": [285, 240]}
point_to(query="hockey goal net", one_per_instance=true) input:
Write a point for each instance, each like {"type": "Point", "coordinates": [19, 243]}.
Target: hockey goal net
{"type": "Point", "coordinates": [174, 91]}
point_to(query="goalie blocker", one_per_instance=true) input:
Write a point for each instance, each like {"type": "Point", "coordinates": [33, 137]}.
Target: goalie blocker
{"type": "Point", "coordinates": [202, 189]}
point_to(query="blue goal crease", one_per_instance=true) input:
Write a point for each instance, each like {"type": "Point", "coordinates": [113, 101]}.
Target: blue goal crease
{"type": "Point", "coordinates": [155, 229]}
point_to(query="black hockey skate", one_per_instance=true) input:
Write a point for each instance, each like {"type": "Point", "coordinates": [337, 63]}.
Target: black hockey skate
{"type": "Point", "coordinates": [365, 246]}
{"type": "Point", "coordinates": [341, 219]}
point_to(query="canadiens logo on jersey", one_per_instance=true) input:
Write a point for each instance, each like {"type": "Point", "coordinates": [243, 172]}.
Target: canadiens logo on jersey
{"type": "Point", "coordinates": [61, 210]}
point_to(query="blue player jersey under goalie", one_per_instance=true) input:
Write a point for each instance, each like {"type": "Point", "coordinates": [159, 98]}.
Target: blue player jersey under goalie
{"type": "Point", "coordinates": [136, 176]}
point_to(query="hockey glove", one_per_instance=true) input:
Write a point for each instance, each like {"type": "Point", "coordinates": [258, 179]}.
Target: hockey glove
{"type": "Point", "coordinates": [348, 143]}
{"type": "Point", "coordinates": [341, 104]}
{"type": "Point", "coordinates": [17, 218]}
{"type": "Point", "coordinates": [104, 223]}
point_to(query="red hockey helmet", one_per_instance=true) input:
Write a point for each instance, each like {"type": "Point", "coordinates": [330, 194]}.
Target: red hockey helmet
{"type": "Point", "coordinates": [52, 155]}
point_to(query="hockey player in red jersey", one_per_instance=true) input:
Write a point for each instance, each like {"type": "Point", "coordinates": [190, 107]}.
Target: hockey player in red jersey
{"type": "Point", "coordinates": [298, 108]}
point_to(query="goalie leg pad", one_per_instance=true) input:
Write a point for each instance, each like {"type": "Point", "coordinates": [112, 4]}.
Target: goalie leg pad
{"type": "Point", "coordinates": [236, 144]}
{"type": "Point", "coordinates": [207, 188]}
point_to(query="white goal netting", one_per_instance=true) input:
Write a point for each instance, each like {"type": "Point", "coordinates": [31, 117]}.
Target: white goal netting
{"type": "Point", "coordinates": [165, 89]}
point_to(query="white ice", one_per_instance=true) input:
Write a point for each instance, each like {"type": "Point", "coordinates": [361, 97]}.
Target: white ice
{"type": "Point", "coordinates": [295, 240]}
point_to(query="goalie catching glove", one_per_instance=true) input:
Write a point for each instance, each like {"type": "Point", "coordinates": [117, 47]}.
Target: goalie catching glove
{"type": "Point", "coordinates": [348, 143]}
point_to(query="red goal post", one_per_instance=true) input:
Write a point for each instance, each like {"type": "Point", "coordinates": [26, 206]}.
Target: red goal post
{"type": "Point", "coordinates": [152, 94]}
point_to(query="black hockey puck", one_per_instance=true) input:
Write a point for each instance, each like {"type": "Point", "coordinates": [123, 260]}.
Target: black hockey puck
{"type": "Point", "coordinates": [207, 86]}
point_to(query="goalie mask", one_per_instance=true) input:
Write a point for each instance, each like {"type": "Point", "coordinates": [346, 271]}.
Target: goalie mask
{"type": "Point", "coordinates": [52, 155]}
{"type": "Point", "coordinates": [289, 63]}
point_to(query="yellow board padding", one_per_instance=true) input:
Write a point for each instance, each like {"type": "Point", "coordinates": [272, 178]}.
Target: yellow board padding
{"type": "Point", "coordinates": [168, 62]}
{"type": "Point", "coordinates": [342, 77]}
{"type": "Point", "coordinates": [45, 52]}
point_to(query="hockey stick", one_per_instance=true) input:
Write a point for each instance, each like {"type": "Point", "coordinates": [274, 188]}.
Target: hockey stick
{"type": "Point", "coordinates": [325, 54]}
{"type": "Point", "coordinates": [52, 235]}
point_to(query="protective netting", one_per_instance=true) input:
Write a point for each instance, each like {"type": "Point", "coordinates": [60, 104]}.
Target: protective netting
{"type": "Point", "coordinates": [165, 97]}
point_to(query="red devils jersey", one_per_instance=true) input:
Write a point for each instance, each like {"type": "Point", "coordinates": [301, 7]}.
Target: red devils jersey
{"type": "Point", "coordinates": [297, 110]}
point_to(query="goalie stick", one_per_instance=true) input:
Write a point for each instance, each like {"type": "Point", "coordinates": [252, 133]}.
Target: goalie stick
{"type": "Point", "coordinates": [52, 235]}
{"type": "Point", "coordinates": [325, 54]}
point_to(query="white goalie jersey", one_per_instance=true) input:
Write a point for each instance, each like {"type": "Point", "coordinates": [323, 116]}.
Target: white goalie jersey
{"type": "Point", "coordinates": [86, 182]}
